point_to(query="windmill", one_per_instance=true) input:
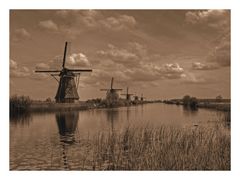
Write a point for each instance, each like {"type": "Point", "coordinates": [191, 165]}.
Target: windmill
{"type": "Point", "coordinates": [67, 86]}
{"type": "Point", "coordinates": [112, 94]}
{"type": "Point", "coordinates": [142, 98]}
{"type": "Point", "coordinates": [136, 98]}
{"type": "Point", "coordinates": [128, 96]}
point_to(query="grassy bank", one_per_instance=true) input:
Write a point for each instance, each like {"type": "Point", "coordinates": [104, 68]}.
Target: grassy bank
{"type": "Point", "coordinates": [164, 148]}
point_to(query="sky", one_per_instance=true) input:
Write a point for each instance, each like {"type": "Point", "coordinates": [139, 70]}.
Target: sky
{"type": "Point", "coordinates": [162, 54]}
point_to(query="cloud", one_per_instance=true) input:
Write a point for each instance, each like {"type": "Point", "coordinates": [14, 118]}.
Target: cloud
{"type": "Point", "coordinates": [120, 22]}
{"type": "Point", "coordinates": [165, 71]}
{"type": "Point", "coordinates": [21, 34]}
{"type": "Point", "coordinates": [190, 78]}
{"type": "Point", "coordinates": [18, 71]}
{"type": "Point", "coordinates": [120, 56]}
{"type": "Point", "coordinates": [78, 59]}
{"type": "Point", "coordinates": [48, 25]}
{"type": "Point", "coordinates": [75, 22]}
{"type": "Point", "coordinates": [135, 62]}
{"type": "Point", "coordinates": [204, 66]}
{"type": "Point", "coordinates": [219, 21]}
{"type": "Point", "coordinates": [222, 52]}
{"type": "Point", "coordinates": [216, 19]}
{"type": "Point", "coordinates": [13, 64]}
{"type": "Point", "coordinates": [42, 66]}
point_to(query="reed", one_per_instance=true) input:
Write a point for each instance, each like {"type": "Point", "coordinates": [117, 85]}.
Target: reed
{"type": "Point", "coordinates": [164, 148]}
{"type": "Point", "coordinates": [19, 104]}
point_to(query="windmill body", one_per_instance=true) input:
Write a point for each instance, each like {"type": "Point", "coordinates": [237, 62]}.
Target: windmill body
{"type": "Point", "coordinates": [67, 87]}
{"type": "Point", "coordinates": [128, 95]}
{"type": "Point", "coordinates": [112, 96]}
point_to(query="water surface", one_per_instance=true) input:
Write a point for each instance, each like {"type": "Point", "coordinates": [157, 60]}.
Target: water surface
{"type": "Point", "coordinates": [54, 141]}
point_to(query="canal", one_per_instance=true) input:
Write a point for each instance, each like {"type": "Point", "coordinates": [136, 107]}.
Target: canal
{"type": "Point", "coordinates": [60, 141]}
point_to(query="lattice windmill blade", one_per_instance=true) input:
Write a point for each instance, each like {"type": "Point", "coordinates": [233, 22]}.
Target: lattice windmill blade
{"type": "Point", "coordinates": [80, 70]}
{"type": "Point", "coordinates": [117, 89]}
{"type": "Point", "coordinates": [64, 55]}
{"type": "Point", "coordinates": [111, 83]}
{"type": "Point", "coordinates": [47, 71]}
{"type": "Point", "coordinates": [104, 89]}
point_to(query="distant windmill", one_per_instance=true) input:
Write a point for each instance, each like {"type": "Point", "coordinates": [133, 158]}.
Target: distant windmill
{"type": "Point", "coordinates": [67, 88]}
{"type": "Point", "coordinates": [142, 98]}
{"type": "Point", "coordinates": [136, 98]}
{"type": "Point", "coordinates": [128, 96]}
{"type": "Point", "coordinates": [112, 94]}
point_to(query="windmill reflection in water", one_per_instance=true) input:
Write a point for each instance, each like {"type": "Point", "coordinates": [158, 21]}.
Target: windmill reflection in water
{"type": "Point", "coordinates": [67, 125]}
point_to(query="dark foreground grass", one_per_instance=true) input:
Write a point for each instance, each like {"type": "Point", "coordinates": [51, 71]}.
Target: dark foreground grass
{"type": "Point", "coordinates": [164, 148]}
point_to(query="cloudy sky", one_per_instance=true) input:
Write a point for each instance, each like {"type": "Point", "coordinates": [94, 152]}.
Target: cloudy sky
{"type": "Point", "coordinates": [160, 53]}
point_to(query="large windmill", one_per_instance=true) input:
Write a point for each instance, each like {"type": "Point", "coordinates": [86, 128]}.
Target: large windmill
{"type": "Point", "coordinates": [112, 94]}
{"type": "Point", "coordinates": [128, 95]}
{"type": "Point", "coordinates": [68, 81]}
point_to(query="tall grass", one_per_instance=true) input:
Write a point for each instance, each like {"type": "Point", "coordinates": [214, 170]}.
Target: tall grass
{"type": "Point", "coordinates": [163, 148]}
{"type": "Point", "coordinates": [19, 105]}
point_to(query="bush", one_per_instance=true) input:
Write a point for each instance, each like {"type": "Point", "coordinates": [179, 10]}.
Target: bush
{"type": "Point", "coordinates": [19, 104]}
{"type": "Point", "coordinates": [189, 101]}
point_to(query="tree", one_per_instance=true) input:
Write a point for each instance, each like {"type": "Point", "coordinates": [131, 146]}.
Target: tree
{"type": "Point", "coordinates": [219, 98]}
{"type": "Point", "coordinates": [48, 100]}
{"type": "Point", "coordinates": [186, 100]}
{"type": "Point", "coordinates": [189, 101]}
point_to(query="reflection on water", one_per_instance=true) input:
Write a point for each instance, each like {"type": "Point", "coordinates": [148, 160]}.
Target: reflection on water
{"type": "Point", "coordinates": [22, 119]}
{"type": "Point", "coordinates": [112, 116]}
{"type": "Point", "coordinates": [67, 124]}
{"type": "Point", "coordinates": [188, 111]}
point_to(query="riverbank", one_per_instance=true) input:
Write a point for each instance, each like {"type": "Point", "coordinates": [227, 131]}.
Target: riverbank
{"type": "Point", "coordinates": [43, 106]}
{"type": "Point", "coordinates": [224, 105]}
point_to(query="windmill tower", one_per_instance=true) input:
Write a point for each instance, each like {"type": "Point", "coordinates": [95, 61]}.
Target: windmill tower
{"type": "Point", "coordinates": [112, 96]}
{"type": "Point", "coordinates": [128, 96]}
{"type": "Point", "coordinates": [67, 86]}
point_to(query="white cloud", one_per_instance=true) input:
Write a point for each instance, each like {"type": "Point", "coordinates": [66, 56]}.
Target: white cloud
{"type": "Point", "coordinates": [13, 64]}
{"type": "Point", "coordinates": [42, 66]}
{"type": "Point", "coordinates": [219, 21]}
{"type": "Point", "coordinates": [49, 25]}
{"type": "Point", "coordinates": [22, 32]}
{"type": "Point", "coordinates": [222, 53]}
{"type": "Point", "coordinates": [18, 71]}
{"type": "Point", "coordinates": [216, 19]}
{"type": "Point", "coordinates": [75, 22]}
{"type": "Point", "coordinates": [118, 23]}
{"type": "Point", "coordinates": [190, 78]}
{"type": "Point", "coordinates": [204, 66]}
{"type": "Point", "coordinates": [78, 59]}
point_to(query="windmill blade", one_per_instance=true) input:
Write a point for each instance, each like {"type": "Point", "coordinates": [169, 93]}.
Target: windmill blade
{"type": "Point", "coordinates": [112, 83]}
{"type": "Point", "coordinates": [65, 53]}
{"type": "Point", "coordinates": [54, 74]}
{"type": "Point", "coordinates": [47, 71]}
{"type": "Point", "coordinates": [80, 70]}
{"type": "Point", "coordinates": [104, 89]}
{"type": "Point", "coordinates": [117, 89]}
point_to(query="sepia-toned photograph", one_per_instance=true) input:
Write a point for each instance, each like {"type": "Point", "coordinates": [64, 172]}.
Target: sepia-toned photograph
{"type": "Point", "coordinates": [131, 90]}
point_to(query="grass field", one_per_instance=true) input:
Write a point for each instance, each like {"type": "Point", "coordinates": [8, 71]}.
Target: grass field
{"type": "Point", "coordinates": [164, 148]}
